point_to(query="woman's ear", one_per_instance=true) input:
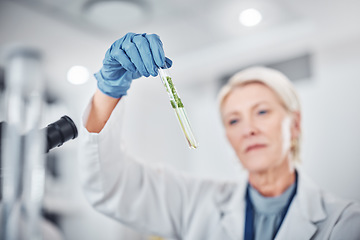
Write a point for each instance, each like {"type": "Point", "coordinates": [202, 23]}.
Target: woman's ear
{"type": "Point", "coordinates": [296, 125]}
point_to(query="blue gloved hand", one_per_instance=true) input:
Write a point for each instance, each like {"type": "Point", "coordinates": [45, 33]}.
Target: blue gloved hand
{"type": "Point", "coordinates": [128, 58]}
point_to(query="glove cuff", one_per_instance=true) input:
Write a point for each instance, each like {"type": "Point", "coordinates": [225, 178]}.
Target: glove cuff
{"type": "Point", "coordinates": [108, 89]}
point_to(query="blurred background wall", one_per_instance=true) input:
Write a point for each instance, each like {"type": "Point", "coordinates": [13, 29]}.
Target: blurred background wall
{"type": "Point", "coordinates": [317, 44]}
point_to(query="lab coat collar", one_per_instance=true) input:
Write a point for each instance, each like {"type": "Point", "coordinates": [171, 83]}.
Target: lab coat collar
{"type": "Point", "coordinates": [305, 210]}
{"type": "Point", "coordinates": [232, 208]}
{"type": "Point", "coordinates": [310, 199]}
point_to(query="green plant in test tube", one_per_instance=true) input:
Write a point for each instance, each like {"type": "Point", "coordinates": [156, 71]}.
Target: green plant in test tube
{"type": "Point", "coordinates": [178, 106]}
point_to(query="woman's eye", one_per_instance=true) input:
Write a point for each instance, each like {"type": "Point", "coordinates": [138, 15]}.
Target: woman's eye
{"type": "Point", "coordinates": [232, 122]}
{"type": "Point", "coordinates": [262, 112]}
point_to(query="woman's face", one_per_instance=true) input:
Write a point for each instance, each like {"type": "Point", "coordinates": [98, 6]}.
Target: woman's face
{"type": "Point", "coordinates": [258, 127]}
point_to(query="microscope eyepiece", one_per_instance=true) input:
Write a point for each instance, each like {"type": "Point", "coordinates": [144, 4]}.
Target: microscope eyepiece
{"type": "Point", "coordinates": [59, 132]}
{"type": "Point", "coordinates": [56, 133]}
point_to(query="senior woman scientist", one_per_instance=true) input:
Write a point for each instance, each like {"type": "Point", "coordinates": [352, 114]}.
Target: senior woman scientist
{"type": "Point", "coordinates": [261, 115]}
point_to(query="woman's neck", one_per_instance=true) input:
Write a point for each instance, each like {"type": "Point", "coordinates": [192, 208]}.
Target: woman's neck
{"type": "Point", "coordinates": [273, 182]}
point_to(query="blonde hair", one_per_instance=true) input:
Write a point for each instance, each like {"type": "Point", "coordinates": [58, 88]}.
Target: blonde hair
{"type": "Point", "coordinates": [276, 81]}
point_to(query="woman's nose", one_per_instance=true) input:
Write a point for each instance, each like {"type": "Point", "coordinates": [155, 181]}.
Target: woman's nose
{"type": "Point", "coordinates": [249, 128]}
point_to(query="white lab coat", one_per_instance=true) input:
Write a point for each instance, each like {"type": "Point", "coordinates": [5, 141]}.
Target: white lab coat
{"type": "Point", "coordinates": [160, 201]}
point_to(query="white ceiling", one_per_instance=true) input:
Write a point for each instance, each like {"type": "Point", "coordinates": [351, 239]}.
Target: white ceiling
{"type": "Point", "coordinates": [195, 33]}
{"type": "Point", "coordinates": [194, 24]}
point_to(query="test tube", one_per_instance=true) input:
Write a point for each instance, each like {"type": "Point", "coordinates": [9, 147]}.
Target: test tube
{"type": "Point", "coordinates": [178, 107]}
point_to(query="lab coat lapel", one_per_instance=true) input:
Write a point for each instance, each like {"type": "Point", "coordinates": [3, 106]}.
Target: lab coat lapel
{"type": "Point", "coordinates": [295, 226]}
{"type": "Point", "coordinates": [305, 210]}
{"type": "Point", "coordinates": [233, 224]}
{"type": "Point", "coordinates": [232, 210]}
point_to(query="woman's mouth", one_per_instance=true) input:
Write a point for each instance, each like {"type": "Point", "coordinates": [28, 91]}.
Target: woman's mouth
{"type": "Point", "coordinates": [254, 147]}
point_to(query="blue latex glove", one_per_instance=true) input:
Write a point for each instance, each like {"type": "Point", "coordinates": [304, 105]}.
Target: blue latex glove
{"type": "Point", "coordinates": [128, 58]}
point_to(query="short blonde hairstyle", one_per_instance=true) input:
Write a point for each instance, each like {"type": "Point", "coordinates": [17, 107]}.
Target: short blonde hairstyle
{"type": "Point", "coordinates": [277, 82]}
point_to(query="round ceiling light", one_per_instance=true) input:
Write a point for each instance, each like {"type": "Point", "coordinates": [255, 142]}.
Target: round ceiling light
{"type": "Point", "coordinates": [112, 14]}
{"type": "Point", "coordinates": [250, 17]}
{"type": "Point", "coordinates": [78, 75]}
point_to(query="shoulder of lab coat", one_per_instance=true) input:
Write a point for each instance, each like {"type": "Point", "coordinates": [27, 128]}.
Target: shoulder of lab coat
{"type": "Point", "coordinates": [315, 214]}
{"type": "Point", "coordinates": [151, 199]}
